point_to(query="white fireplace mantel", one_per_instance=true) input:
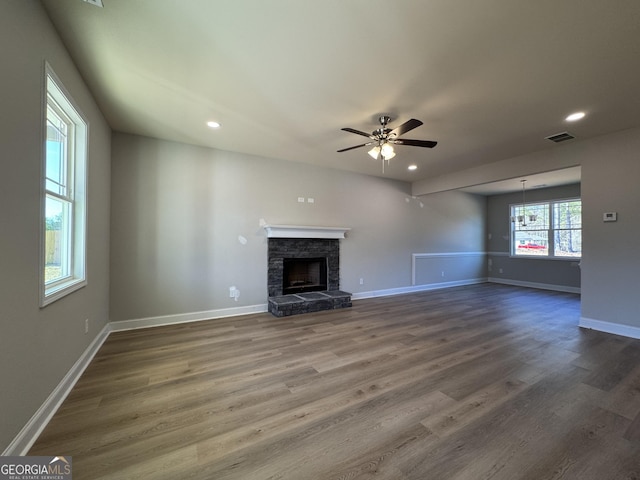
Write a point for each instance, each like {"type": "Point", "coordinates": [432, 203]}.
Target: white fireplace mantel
{"type": "Point", "coordinates": [297, 231]}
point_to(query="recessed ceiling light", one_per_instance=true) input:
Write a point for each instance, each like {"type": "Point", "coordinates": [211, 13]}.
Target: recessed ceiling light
{"type": "Point", "coordinates": [575, 116]}
{"type": "Point", "coordinates": [213, 125]}
{"type": "Point", "coordinates": [412, 167]}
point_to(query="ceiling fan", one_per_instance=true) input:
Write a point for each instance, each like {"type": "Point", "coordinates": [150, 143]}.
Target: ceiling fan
{"type": "Point", "coordinates": [384, 138]}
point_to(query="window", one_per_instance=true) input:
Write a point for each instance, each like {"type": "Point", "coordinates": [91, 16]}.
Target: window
{"type": "Point", "coordinates": [64, 194]}
{"type": "Point", "coordinates": [547, 229]}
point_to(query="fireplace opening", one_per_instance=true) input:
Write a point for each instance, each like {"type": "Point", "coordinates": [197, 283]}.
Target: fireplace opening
{"type": "Point", "coordinates": [302, 275]}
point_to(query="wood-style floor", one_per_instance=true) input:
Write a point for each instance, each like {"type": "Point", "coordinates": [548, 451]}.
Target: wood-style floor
{"type": "Point", "coordinates": [480, 382]}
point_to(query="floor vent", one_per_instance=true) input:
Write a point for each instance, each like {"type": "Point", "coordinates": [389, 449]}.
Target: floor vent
{"type": "Point", "coordinates": [560, 137]}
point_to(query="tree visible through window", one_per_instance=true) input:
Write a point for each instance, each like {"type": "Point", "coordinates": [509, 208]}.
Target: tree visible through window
{"type": "Point", "coordinates": [64, 194]}
{"type": "Point", "coordinates": [567, 228]}
{"type": "Point", "coordinates": [547, 229]}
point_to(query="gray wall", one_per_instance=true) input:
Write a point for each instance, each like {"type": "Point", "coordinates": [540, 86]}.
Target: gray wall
{"type": "Point", "coordinates": [559, 274]}
{"type": "Point", "coordinates": [610, 169]}
{"type": "Point", "coordinates": [39, 346]}
{"type": "Point", "coordinates": [186, 225]}
{"type": "Point", "coordinates": [610, 262]}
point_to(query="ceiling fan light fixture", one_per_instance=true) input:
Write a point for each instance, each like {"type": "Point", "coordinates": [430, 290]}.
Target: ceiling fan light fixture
{"type": "Point", "coordinates": [374, 152]}
{"type": "Point", "coordinates": [387, 151]}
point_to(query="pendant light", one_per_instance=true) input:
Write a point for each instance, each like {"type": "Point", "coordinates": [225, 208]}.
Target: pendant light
{"type": "Point", "coordinates": [522, 219]}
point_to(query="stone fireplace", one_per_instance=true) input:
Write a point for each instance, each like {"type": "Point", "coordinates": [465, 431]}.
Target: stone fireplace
{"type": "Point", "coordinates": [294, 256]}
{"type": "Point", "coordinates": [304, 269]}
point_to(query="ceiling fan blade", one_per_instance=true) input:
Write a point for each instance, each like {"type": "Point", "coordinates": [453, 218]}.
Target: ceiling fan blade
{"type": "Point", "coordinates": [406, 126]}
{"type": "Point", "coordinates": [357, 132]}
{"type": "Point", "coordinates": [415, 143]}
{"type": "Point", "coordinates": [357, 146]}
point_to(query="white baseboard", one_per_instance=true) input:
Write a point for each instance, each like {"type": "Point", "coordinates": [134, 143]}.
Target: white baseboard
{"type": "Point", "coordinates": [118, 326]}
{"type": "Point", "coordinates": [34, 427]}
{"type": "Point", "coordinates": [542, 286]}
{"type": "Point", "coordinates": [608, 327]}
{"type": "Point", "coordinates": [415, 288]}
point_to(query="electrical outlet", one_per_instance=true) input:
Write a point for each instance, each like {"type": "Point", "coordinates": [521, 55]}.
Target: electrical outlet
{"type": "Point", "coordinates": [362, 281]}
{"type": "Point", "coordinates": [443, 274]}
{"type": "Point", "coordinates": [86, 326]}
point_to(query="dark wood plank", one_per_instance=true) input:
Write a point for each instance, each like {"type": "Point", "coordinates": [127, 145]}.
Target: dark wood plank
{"type": "Point", "coordinates": [479, 382]}
{"type": "Point", "coordinates": [633, 432]}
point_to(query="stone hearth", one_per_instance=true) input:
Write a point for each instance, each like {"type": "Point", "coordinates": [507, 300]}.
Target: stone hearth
{"type": "Point", "coordinates": [285, 305]}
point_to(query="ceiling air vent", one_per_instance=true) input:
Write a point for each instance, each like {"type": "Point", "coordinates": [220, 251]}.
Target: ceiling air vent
{"type": "Point", "coordinates": [560, 137]}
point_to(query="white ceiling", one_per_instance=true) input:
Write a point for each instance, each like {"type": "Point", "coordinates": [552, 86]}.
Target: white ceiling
{"type": "Point", "coordinates": [490, 79]}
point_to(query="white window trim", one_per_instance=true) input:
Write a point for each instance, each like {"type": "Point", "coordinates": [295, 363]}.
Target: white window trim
{"type": "Point", "coordinates": [78, 279]}
{"type": "Point", "coordinates": [551, 229]}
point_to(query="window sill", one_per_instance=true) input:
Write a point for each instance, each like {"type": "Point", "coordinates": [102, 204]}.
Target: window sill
{"type": "Point", "coordinates": [544, 257]}
{"type": "Point", "coordinates": [51, 294]}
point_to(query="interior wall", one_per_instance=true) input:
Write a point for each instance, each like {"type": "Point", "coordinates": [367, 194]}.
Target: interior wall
{"type": "Point", "coordinates": [187, 225]}
{"type": "Point", "coordinates": [557, 274]}
{"type": "Point", "coordinates": [38, 346]}
{"type": "Point", "coordinates": [610, 263]}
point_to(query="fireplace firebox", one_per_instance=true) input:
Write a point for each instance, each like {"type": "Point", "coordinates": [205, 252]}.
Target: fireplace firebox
{"type": "Point", "coordinates": [302, 275]}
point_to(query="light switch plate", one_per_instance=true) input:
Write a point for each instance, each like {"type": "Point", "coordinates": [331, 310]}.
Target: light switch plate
{"type": "Point", "coordinates": [610, 217]}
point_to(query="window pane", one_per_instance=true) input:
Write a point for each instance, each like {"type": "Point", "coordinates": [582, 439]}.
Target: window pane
{"type": "Point", "coordinates": [56, 158]}
{"type": "Point", "coordinates": [568, 243]}
{"type": "Point", "coordinates": [531, 242]}
{"type": "Point", "coordinates": [57, 239]}
{"type": "Point", "coordinates": [567, 214]}
{"type": "Point", "coordinates": [535, 216]}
